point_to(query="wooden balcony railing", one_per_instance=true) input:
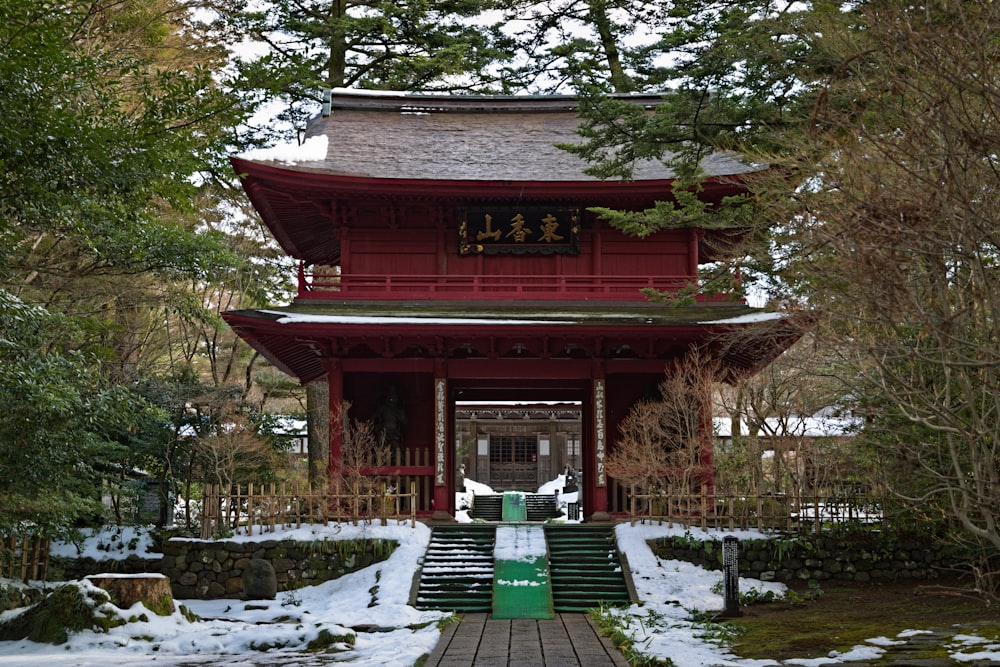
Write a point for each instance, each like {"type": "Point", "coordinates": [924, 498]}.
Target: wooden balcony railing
{"type": "Point", "coordinates": [530, 287]}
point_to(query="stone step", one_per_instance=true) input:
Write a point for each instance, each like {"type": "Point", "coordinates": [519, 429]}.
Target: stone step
{"type": "Point", "coordinates": [487, 508]}
{"type": "Point", "coordinates": [457, 569]}
{"type": "Point", "coordinates": [586, 569]}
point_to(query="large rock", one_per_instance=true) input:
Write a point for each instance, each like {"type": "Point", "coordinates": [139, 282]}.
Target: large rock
{"type": "Point", "coordinates": [259, 580]}
{"type": "Point", "coordinates": [68, 609]}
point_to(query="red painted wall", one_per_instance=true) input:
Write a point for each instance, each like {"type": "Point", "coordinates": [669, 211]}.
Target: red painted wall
{"type": "Point", "coordinates": [420, 245]}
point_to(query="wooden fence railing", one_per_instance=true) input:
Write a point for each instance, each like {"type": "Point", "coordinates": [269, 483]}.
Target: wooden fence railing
{"type": "Point", "coordinates": [24, 557]}
{"type": "Point", "coordinates": [267, 507]}
{"type": "Point", "coordinates": [798, 514]}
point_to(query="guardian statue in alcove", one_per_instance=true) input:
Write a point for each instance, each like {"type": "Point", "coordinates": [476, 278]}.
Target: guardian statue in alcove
{"type": "Point", "coordinates": [390, 418]}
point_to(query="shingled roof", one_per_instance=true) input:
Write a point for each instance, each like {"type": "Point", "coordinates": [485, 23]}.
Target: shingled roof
{"type": "Point", "coordinates": [427, 137]}
{"type": "Point", "coordinates": [451, 150]}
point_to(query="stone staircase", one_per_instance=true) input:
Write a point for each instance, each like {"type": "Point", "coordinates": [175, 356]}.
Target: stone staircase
{"type": "Point", "coordinates": [487, 508]}
{"type": "Point", "coordinates": [457, 571]}
{"type": "Point", "coordinates": [539, 507]}
{"type": "Point", "coordinates": [585, 567]}
{"type": "Point", "coordinates": [542, 506]}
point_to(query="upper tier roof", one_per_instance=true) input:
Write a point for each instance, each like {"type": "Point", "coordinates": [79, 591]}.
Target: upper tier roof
{"type": "Point", "coordinates": [372, 134]}
{"type": "Point", "coordinates": [394, 148]}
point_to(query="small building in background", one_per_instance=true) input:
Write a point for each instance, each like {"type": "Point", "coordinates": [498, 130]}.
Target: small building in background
{"type": "Point", "coordinates": [517, 446]}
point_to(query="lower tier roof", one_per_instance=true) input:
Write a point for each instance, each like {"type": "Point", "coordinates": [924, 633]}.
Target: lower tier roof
{"type": "Point", "coordinates": [297, 338]}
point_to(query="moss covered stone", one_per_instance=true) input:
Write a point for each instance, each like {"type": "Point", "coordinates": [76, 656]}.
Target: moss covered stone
{"type": "Point", "coordinates": [70, 608]}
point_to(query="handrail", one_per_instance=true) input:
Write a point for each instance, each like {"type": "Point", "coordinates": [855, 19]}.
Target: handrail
{"type": "Point", "coordinates": [429, 286]}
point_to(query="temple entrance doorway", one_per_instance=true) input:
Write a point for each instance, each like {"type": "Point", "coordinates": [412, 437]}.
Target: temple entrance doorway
{"type": "Point", "coordinates": [518, 438]}
{"type": "Point", "coordinates": [518, 446]}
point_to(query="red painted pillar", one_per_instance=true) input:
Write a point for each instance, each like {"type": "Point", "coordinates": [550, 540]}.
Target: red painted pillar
{"type": "Point", "coordinates": [444, 476]}
{"type": "Point", "coordinates": [598, 424]}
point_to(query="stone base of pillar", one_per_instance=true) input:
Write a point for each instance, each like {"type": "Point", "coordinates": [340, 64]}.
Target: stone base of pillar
{"type": "Point", "coordinates": [599, 517]}
{"type": "Point", "coordinates": [442, 516]}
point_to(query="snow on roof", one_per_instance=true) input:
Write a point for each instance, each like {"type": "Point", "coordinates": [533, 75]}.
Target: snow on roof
{"type": "Point", "coordinates": [810, 427]}
{"type": "Point", "coordinates": [296, 318]}
{"type": "Point", "coordinates": [751, 318]}
{"type": "Point", "coordinates": [312, 149]}
{"type": "Point", "coordinates": [526, 404]}
{"type": "Point", "coordinates": [290, 425]}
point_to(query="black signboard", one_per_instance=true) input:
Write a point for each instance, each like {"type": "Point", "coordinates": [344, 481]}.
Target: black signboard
{"type": "Point", "coordinates": [518, 229]}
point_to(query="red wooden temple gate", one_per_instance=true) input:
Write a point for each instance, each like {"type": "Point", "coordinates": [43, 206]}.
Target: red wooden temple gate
{"type": "Point", "coordinates": [447, 251]}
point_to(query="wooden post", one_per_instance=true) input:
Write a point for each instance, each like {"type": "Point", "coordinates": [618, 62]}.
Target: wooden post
{"type": "Point", "coordinates": [704, 507]}
{"type": "Point", "coordinates": [35, 556]}
{"type": "Point", "coordinates": [413, 504]}
{"type": "Point", "coordinates": [631, 520]}
{"type": "Point", "coordinates": [24, 559]}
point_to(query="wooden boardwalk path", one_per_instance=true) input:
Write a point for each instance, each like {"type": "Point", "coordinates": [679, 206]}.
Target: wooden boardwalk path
{"type": "Point", "coordinates": [568, 640]}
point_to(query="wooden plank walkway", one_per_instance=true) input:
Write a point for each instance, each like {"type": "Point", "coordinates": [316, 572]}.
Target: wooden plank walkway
{"type": "Point", "coordinates": [568, 640]}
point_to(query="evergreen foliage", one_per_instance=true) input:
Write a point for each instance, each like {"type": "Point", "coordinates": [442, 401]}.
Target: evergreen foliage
{"type": "Point", "coordinates": [409, 45]}
{"type": "Point", "coordinates": [113, 204]}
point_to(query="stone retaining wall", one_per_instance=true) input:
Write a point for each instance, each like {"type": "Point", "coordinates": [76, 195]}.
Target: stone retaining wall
{"type": "Point", "coordinates": [861, 559]}
{"type": "Point", "coordinates": [209, 570]}
{"type": "Point", "coordinates": [66, 569]}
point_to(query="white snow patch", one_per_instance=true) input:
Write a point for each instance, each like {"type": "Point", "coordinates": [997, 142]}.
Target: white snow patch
{"type": "Point", "coordinates": [312, 149]}
{"type": "Point", "coordinates": [233, 633]}
{"type": "Point", "coordinates": [301, 318]}
{"type": "Point", "coordinates": [517, 582]}
{"type": "Point", "coordinates": [885, 641]}
{"type": "Point", "coordinates": [519, 543]}
{"type": "Point", "coordinates": [751, 318]}
{"type": "Point", "coordinates": [107, 544]}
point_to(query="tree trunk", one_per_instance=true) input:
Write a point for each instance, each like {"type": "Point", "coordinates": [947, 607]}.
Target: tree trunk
{"type": "Point", "coordinates": [599, 17]}
{"type": "Point", "coordinates": [152, 590]}
{"type": "Point", "coordinates": [318, 429]}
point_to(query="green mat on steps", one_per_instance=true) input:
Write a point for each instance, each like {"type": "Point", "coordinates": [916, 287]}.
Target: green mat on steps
{"type": "Point", "coordinates": [515, 507]}
{"type": "Point", "coordinates": [521, 584]}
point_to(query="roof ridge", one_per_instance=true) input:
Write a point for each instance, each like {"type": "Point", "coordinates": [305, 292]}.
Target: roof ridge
{"type": "Point", "coordinates": [387, 100]}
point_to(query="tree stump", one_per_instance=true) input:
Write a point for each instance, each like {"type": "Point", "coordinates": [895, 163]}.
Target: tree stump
{"type": "Point", "coordinates": [152, 590]}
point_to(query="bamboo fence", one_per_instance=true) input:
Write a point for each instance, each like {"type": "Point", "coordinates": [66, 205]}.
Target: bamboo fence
{"type": "Point", "coordinates": [24, 557]}
{"type": "Point", "coordinates": [774, 512]}
{"type": "Point", "coordinates": [267, 507]}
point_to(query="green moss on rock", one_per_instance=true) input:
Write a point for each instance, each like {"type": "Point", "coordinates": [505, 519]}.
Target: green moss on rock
{"type": "Point", "coordinates": [70, 608]}
{"type": "Point", "coordinates": [325, 639]}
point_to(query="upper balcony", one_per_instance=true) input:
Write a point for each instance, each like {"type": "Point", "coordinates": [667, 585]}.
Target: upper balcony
{"type": "Point", "coordinates": [317, 285]}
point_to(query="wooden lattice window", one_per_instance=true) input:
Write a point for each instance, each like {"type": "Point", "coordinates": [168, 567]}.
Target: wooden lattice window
{"type": "Point", "coordinates": [513, 449]}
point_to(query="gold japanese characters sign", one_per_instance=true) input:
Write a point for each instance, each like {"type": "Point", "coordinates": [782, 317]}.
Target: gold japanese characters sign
{"type": "Point", "coordinates": [440, 430]}
{"type": "Point", "coordinates": [518, 229]}
{"type": "Point", "coordinates": [599, 432]}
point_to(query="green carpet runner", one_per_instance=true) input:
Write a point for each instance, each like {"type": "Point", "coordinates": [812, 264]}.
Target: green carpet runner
{"type": "Point", "coordinates": [521, 585]}
{"type": "Point", "coordinates": [514, 506]}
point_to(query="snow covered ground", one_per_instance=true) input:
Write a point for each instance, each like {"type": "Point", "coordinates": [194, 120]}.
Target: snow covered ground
{"type": "Point", "coordinates": [372, 604]}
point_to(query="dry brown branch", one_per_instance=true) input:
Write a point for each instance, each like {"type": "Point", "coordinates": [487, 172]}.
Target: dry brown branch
{"type": "Point", "coordinates": [661, 440]}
